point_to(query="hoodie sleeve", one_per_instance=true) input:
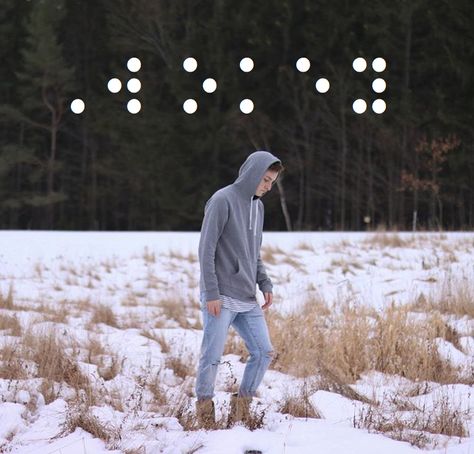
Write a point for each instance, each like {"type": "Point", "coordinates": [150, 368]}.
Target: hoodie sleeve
{"type": "Point", "coordinates": [264, 282]}
{"type": "Point", "coordinates": [216, 215]}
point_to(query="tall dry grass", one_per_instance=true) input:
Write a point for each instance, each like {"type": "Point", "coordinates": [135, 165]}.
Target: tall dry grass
{"type": "Point", "coordinates": [297, 403]}
{"type": "Point", "coordinates": [341, 343]}
{"type": "Point", "coordinates": [6, 300]}
{"type": "Point", "coordinates": [389, 240]}
{"type": "Point", "coordinates": [269, 253]}
{"type": "Point", "coordinates": [453, 296]}
{"type": "Point", "coordinates": [104, 314]}
{"type": "Point", "coordinates": [418, 425]}
{"type": "Point", "coordinates": [44, 355]}
{"type": "Point", "coordinates": [79, 414]}
{"type": "Point", "coordinates": [10, 324]}
{"type": "Point", "coordinates": [179, 310]}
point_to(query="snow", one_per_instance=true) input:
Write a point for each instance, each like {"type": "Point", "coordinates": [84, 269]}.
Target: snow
{"type": "Point", "coordinates": [58, 278]}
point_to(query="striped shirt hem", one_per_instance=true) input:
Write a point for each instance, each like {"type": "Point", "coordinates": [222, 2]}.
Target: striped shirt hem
{"type": "Point", "coordinates": [236, 305]}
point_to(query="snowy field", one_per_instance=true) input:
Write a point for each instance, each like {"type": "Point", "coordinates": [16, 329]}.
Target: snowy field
{"type": "Point", "coordinates": [100, 336]}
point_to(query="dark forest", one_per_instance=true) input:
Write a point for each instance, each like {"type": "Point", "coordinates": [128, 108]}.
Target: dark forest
{"type": "Point", "coordinates": [411, 166]}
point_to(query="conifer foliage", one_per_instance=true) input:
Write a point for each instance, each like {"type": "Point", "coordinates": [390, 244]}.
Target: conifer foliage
{"type": "Point", "coordinates": [108, 169]}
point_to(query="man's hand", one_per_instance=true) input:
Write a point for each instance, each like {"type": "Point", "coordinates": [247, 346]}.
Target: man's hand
{"type": "Point", "coordinates": [268, 299]}
{"type": "Point", "coordinates": [214, 307]}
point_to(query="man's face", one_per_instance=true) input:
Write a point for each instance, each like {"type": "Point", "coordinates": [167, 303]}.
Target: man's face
{"type": "Point", "coordinates": [266, 184]}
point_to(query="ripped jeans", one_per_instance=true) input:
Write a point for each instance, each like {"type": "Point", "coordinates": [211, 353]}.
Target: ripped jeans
{"type": "Point", "coordinates": [252, 327]}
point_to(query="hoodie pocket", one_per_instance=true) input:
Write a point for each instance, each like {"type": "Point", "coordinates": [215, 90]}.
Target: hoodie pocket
{"type": "Point", "coordinates": [236, 266]}
{"type": "Point", "coordinates": [242, 277]}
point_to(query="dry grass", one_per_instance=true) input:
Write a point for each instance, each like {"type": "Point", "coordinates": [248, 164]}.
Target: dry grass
{"type": "Point", "coordinates": [53, 359]}
{"type": "Point", "coordinates": [77, 307]}
{"type": "Point", "coordinates": [190, 257]}
{"type": "Point", "coordinates": [108, 363]}
{"type": "Point", "coordinates": [299, 405]}
{"type": "Point", "coordinates": [80, 415]}
{"type": "Point", "coordinates": [159, 338]}
{"type": "Point", "coordinates": [94, 348]}
{"type": "Point", "coordinates": [268, 254]}
{"type": "Point", "coordinates": [44, 355]}
{"type": "Point", "coordinates": [341, 344]}
{"type": "Point", "coordinates": [104, 314]}
{"type": "Point", "coordinates": [444, 418]}
{"type": "Point", "coordinates": [453, 297]}
{"type": "Point", "coordinates": [289, 260]}
{"type": "Point", "coordinates": [148, 256]}
{"type": "Point", "coordinates": [445, 331]}
{"type": "Point", "coordinates": [181, 409]}
{"type": "Point", "coordinates": [54, 313]}
{"type": "Point", "coordinates": [304, 246]}
{"type": "Point", "coordinates": [181, 367]}
{"type": "Point", "coordinates": [110, 366]}
{"type": "Point", "coordinates": [10, 324]}
{"type": "Point", "coordinates": [388, 240]}
{"type": "Point", "coordinates": [175, 309]}
{"type": "Point", "coordinates": [153, 281]}
{"type": "Point", "coordinates": [6, 301]}
{"type": "Point", "coordinates": [345, 266]}
{"type": "Point", "coordinates": [130, 300]}
{"type": "Point", "coordinates": [160, 397]}
{"type": "Point", "coordinates": [235, 346]}
{"type": "Point", "coordinates": [407, 347]}
{"type": "Point", "coordinates": [12, 366]}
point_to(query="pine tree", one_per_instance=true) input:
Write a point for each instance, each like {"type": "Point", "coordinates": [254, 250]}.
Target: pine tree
{"type": "Point", "coordinates": [45, 80]}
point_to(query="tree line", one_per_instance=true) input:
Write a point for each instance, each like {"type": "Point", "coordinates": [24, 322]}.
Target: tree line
{"type": "Point", "coordinates": [107, 169]}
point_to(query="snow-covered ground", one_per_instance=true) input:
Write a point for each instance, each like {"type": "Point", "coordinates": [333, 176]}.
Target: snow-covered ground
{"type": "Point", "coordinates": [56, 280]}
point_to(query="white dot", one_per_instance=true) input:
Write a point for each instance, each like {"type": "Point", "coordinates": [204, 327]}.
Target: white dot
{"type": "Point", "coordinates": [322, 85]}
{"type": "Point", "coordinates": [134, 85]}
{"type": "Point", "coordinates": [359, 106]}
{"type": "Point", "coordinates": [379, 64]}
{"type": "Point", "coordinates": [246, 106]}
{"type": "Point", "coordinates": [209, 85]}
{"type": "Point", "coordinates": [379, 85]}
{"type": "Point", "coordinates": [246, 64]}
{"type": "Point", "coordinates": [134, 64]}
{"type": "Point", "coordinates": [303, 64]}
{"type": "Point", "coordinates": [114, 85]}
{"type": "Point", "coordinates": [78, 106]}
{"type": "Point", "coordinates": [134, 106]}
{"type": "Point", "coordinates": [379, 106]}
{"type": "Point", "coordinates": [190, 106]}
{"type": "Point", "coordinates": [190, 64]}
{"type": "Point", "coordinates": [359, 64]}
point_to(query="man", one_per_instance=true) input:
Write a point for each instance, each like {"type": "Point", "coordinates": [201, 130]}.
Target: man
{"type": "Point", "coordinates": [229, 257]}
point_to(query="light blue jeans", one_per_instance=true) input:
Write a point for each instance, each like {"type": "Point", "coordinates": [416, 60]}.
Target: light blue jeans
{"type": "Point", "coordinates": [252, 327]}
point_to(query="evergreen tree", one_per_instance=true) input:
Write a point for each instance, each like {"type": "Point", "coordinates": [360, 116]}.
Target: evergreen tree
{"type": "Point", "coordinates": [45, 81]}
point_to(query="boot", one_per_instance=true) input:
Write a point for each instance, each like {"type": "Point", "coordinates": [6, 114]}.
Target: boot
{"type": "Point", "coordinates": [206, 414]}
{"type": "Point", "coordinates": [239, 410]}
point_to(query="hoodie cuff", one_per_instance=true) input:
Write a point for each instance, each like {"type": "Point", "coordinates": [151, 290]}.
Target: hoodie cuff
{"type": "Point", "coordinates": [266, 288]}
{"type": "Point", "coordinates": [211, 295]}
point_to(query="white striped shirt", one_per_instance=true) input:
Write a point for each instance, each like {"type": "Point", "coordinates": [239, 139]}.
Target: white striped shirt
{"type": "Point", "coordinates": [236, 305]}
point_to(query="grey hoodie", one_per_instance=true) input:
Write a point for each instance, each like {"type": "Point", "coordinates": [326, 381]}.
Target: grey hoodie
{"type": "Point", "coordinates": [231, 236]}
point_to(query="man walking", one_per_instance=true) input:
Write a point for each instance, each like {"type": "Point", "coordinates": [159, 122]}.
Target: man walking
{"type": "Point", "coordinates": [229, 257]}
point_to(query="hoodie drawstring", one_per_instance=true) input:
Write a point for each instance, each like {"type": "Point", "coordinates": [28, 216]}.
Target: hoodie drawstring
{"type": "Point", "coordinates": [256, 216]}
{"type": "Point", "coordinates": [250, 217]}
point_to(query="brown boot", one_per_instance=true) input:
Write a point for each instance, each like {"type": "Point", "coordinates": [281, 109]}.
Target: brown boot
{"type": "Point", "coordinates": [239, 410]}
{"type": "Point", "coordinates": [206, 414]}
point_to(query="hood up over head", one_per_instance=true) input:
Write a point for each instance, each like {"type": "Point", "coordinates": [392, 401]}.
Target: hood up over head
{"type": "Point", "coordinates": [252, 171]}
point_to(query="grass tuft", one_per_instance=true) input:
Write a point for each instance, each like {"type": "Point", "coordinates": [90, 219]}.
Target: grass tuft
{"type": "Point", "coordinates": [6, 301]}
{"type": "Point", "coordinates": [10, 324]}
{"type": "Point", "coordinates": [104, 314]}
